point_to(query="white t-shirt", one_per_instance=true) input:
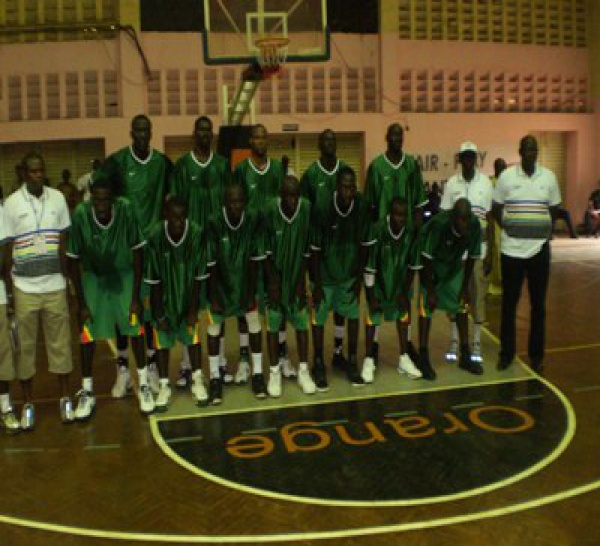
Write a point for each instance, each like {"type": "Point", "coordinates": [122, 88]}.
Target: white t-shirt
{"type": "Point", "coordinates": [526, 220]}
{"type": "Point", "coordinates": [479, 192]}
{"type": "Point", "coordinates": [2, 242]}
{"type": "Point", "coordinates": [34, 226]}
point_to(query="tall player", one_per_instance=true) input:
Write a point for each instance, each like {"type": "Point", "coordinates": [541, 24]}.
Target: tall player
{"type": "Point", "coordinates": [286, 223]}
{"type": "Point", "coordinates": [235, 252]}
{"type": "Point", "coordinates": [199, 178]}
{"type": "Point", "coordinates": [445, 277]}
{"type": "Point", "coordinates": [395, 173]}
{"type": "Point", "coordinates": [140, 173]}
{"type": "Point", "coordinates": [318, 184]}
{"type": "Point", "coordinates": [176, 265]}
{"type": "Point", "coordinates": [338, 253]}
{"type": "Point", "coordinates": [478, 189]}
{"type": "Point", "coordinates": [261, 176]}
{"type": "Point", "coordinates": [105, 253]}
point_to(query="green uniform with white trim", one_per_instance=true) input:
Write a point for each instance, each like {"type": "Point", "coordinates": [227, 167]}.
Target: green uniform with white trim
{"type": "Point", "coordinates": [441, 244]}
{"type": "Point", "coordinates": [386, 181]}
{"type": "Point", "coordinates": [176, 266]}
{"type": "Point", "coordinates": [231, 248]}
{"type": "Point", "coordinates": [105, 253]}
{"type": "Point", "coordinates": [318, 184]}
{"type": "Point", "coordinates": [287, 244]}
{"type": "Point", "coordinates": [338, 236]}
{"type": "Point", "coordinates": [200, 185]}
{"type": "Point", "coordinates": [260, 185]}
{"type": "Point", "coordinates": [389, 261]}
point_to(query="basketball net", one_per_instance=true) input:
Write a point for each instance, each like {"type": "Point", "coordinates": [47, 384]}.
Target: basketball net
{"type": "Point", "coordinates": [272, 53]}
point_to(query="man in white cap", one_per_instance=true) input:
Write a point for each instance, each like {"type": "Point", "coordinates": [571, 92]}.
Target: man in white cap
{"type": "Point", "coordinates": [478, 189]}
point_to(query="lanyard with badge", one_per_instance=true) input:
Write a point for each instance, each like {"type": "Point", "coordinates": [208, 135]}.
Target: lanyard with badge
{"type": "Point", "coordinates": [39, 239]}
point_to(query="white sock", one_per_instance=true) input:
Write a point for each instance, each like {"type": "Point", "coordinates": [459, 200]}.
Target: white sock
{"type": "Point", "coordinates": [244, 340]}
{"type": "Point", "coordinates": [256, 363]}
{"type": "Point", "coordinates": [213, 362]}
{"type": "Point", "coordinates": [197, 376]}
{"type": "Point", "coordinates": [454, 332]}
{"type": "Point", "coordinates": [282, 337]}
{"type": "Point", "coordinates": [477, 332]}
{"type": "Point", "coordinates": [222, 350]}
{"type": "Point", "coordinates": [409, 331]}
{"type": "Point", "coordinates": [143, 376]}
{"type": "Point", "coordinates": [4, 402]}
{"type": "Point", "coordinates": [376, 335]}
{"type": "Point", "coordinates": [338, 332]}
{"type": "Point", "coordinates": [276, 369]}
{"type": "Point", "coordinates": [88, 384]}
{"type": "Point", "coordinates": [163, 382]}
{"type": "Point", "coordinates": [303, 367]}
{"type": "Point", "coordinates": [185, 359]}
{"type": "Point", "coordinates": [122, 354]}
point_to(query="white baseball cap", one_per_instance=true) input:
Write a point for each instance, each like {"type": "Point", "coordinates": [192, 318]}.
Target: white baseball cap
{"type": "Point", "coordinates": [468, 146]}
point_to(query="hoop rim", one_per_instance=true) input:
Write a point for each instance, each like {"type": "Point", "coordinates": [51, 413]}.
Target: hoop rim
{"type": "Point", "coordinates": [273, 41]}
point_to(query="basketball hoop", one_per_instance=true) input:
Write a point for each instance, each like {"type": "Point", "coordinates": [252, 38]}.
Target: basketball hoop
{"type": "Point", "coordinates": [272, 53]}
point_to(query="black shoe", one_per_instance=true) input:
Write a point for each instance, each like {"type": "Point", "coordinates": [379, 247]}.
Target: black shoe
{"type": "Point", "coordinates": [537, 366]}
{"type": "Point", "coordinates": [339, 362]}
{"type": "Point", "coordinates": [412, 352]}
{"type": "Point", "coordinates": [425, 366]}
{"type": "Point", "coordinates": [466, 363]}
{"type": "Point", "coordinates": [376, 352]}
{"type": "Point", "coordinates": [319, 375]}
{"type": "Point", "coordinates": [504, 364]}
{"type": "Point", "coordinates": [215, 392]}
{"type": "Point", "coordinates": [258, 386]}
{"type": "Point", "coordinates": [353, 374]}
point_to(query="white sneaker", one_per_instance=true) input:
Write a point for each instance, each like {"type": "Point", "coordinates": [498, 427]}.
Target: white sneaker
{"type": "Point", "coordinates": [452, 352]}
{"type": "Point", "coordinates": [153, 378]}
{"type": "Point", "coordinates": [199, 393]}
{"type": "Point", "coordinates": [85, 405]}
{"type": "Point", "coordinates": [306, 383]}
{"type": "Point", "coordinates": [368, 370]}
{"type": "Point", "coordinates": [243, 373]}
{"type": "Point", "coordinates": [163, 399]}
{"type": "Point", "coordinates": [274, 386]}
{"type": "Point", "coordinates": [288, 370]}
{"type": "Point", "coordinates": [122, 384]}
{"type": "Point", "coordinates": [146, 399]}
{"type": "Point", "coordinates": [476, 355]}
{"type": "Point", "coordinates": [407, 366]}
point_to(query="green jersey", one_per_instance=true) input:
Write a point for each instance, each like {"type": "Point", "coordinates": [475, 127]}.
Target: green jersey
{"type": "Point", "coordinates": [230, 249]}
{"type": "Point", "coordinates": [143, 182]}
{"type": "Point", "coordinates": [338, 236]}
{"type": "Point", "coordinates": [201, 185]}
{"type": "Point", "coordinates": [176, 266]}
{"type": "Point", "coordinates": [390, 257]}
{"type": "Point", "coordinates": [441, 244]}
{"type": "Point", "coordinates": [105, 251]}
{"type": "Point", "coordinates": [260, 185]}
{"type": "Point", "coordinates": [385, 180]}
{"type": "Point", "coordinates": [318, 185]}
{"type": "Point", "coordinates": [287, 243]}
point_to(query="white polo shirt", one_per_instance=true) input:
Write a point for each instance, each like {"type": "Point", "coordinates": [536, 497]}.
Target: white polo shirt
{"type": "Point", "coordinates": [2, 242]}
{"type": "Point", "coordinates": [526, 220]}
{"type": "Point", "coordinates": [479, 192]}
{"type": "Point", "coordinates": [34, 226]}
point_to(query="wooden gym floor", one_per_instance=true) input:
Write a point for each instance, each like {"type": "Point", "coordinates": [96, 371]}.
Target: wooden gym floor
{"type": "Point", "coordinates": [125, 479]}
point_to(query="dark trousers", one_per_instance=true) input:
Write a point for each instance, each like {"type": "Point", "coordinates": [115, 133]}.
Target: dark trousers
{"type": "Point", "coordinates": [514, 271]}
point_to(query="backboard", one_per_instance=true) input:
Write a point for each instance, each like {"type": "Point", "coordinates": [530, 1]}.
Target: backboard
{"type": "Point", "coordinates": [234, 26]}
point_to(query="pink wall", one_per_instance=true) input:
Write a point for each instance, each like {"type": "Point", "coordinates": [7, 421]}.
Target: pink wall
{"type": "Point", "coordinates": [428, 134]}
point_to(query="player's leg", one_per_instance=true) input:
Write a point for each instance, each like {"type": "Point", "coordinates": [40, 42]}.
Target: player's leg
{"type": "Point", "coordinates": [8, 419]}
{"type": "Point", "coordinates": [319, 316]}
{"type": "Point", "coordinates": [372, 322]}
{"type": "Point", "coordinates": [255, 337]}
{"type": "Point", "coordinates": [274, 320]}
{"type": "Point", "coordinates": [163, 397]}
{"type": "Point", "coordinates": [352, 366]}
{"type": "Point", "coordinates": [86, 399]}
{"type": "Point", "coordinates": [145, 396]}
{"type": "Point", "coordinates": [405, 362]}
{"type": "Point", "coordinates": [199, 392]}
{"type": "Point", "coordinates": [226, 377]}
{"type": "Point", "coordinates": [478, 287]}
{"type": "Point", "coordinates": [123, 382]}
{"type": "Point", "coordinates": [243, 370]}
{"type": "Point", "coordinates": [424, 328]}
{"type": "Point", "coordinates": [215, 388]}
{"type": "Point", "coordinates": [339, 329]}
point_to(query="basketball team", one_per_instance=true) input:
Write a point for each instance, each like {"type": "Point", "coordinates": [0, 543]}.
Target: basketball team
{"type": "Point", "coordinates": [156, 245]}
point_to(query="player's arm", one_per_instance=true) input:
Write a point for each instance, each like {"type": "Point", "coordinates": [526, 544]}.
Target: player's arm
{"type": "Point", "coordinates": [158, 308]}
{"type": "Point", "coordinates": [474, 253]}
{"type": "Point", "coordinates": [7, 263]}
{"type": "Point", "coordinates": [421, 198]}
{"type": "Point", "coordinates": [314, 262]}
{"type": "Point", "coordinates": [426, 278]}
{"type": "Point", "coordinates": [370, 276]}
{"type": "Point", "coordinates": [273, 281]}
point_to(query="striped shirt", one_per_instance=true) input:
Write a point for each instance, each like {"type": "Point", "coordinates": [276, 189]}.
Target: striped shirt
{"type": "Point", "coordinates": [34, 225]}
{"type": "Point", "coordinates": [479, 192]}
{"type": "Point", "coordinates": [526, 220]}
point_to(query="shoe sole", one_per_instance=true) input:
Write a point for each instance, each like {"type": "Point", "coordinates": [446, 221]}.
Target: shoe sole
{"type": "Point", "coordinates": [147, 412]}
{"type": "Point", "coordinates": [274, 395]}
{"type": "Point", "coordinates": [322, 389]}
{"type": "Point", "coordinates": [260, 396]}
{"type": "Point", "coordinates": [409, 374]}
{"type": "Point", "coordinates": [201, 403]}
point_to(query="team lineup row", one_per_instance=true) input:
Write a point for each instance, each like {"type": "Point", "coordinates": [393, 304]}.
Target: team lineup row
{"type": "Point", "coordinates": [201, 238]}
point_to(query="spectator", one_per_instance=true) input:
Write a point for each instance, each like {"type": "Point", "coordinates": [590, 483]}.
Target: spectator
{"type": "Point", "coordinates": [592, 214]}
{"type": "Point", "coordinates": [83, 183]}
